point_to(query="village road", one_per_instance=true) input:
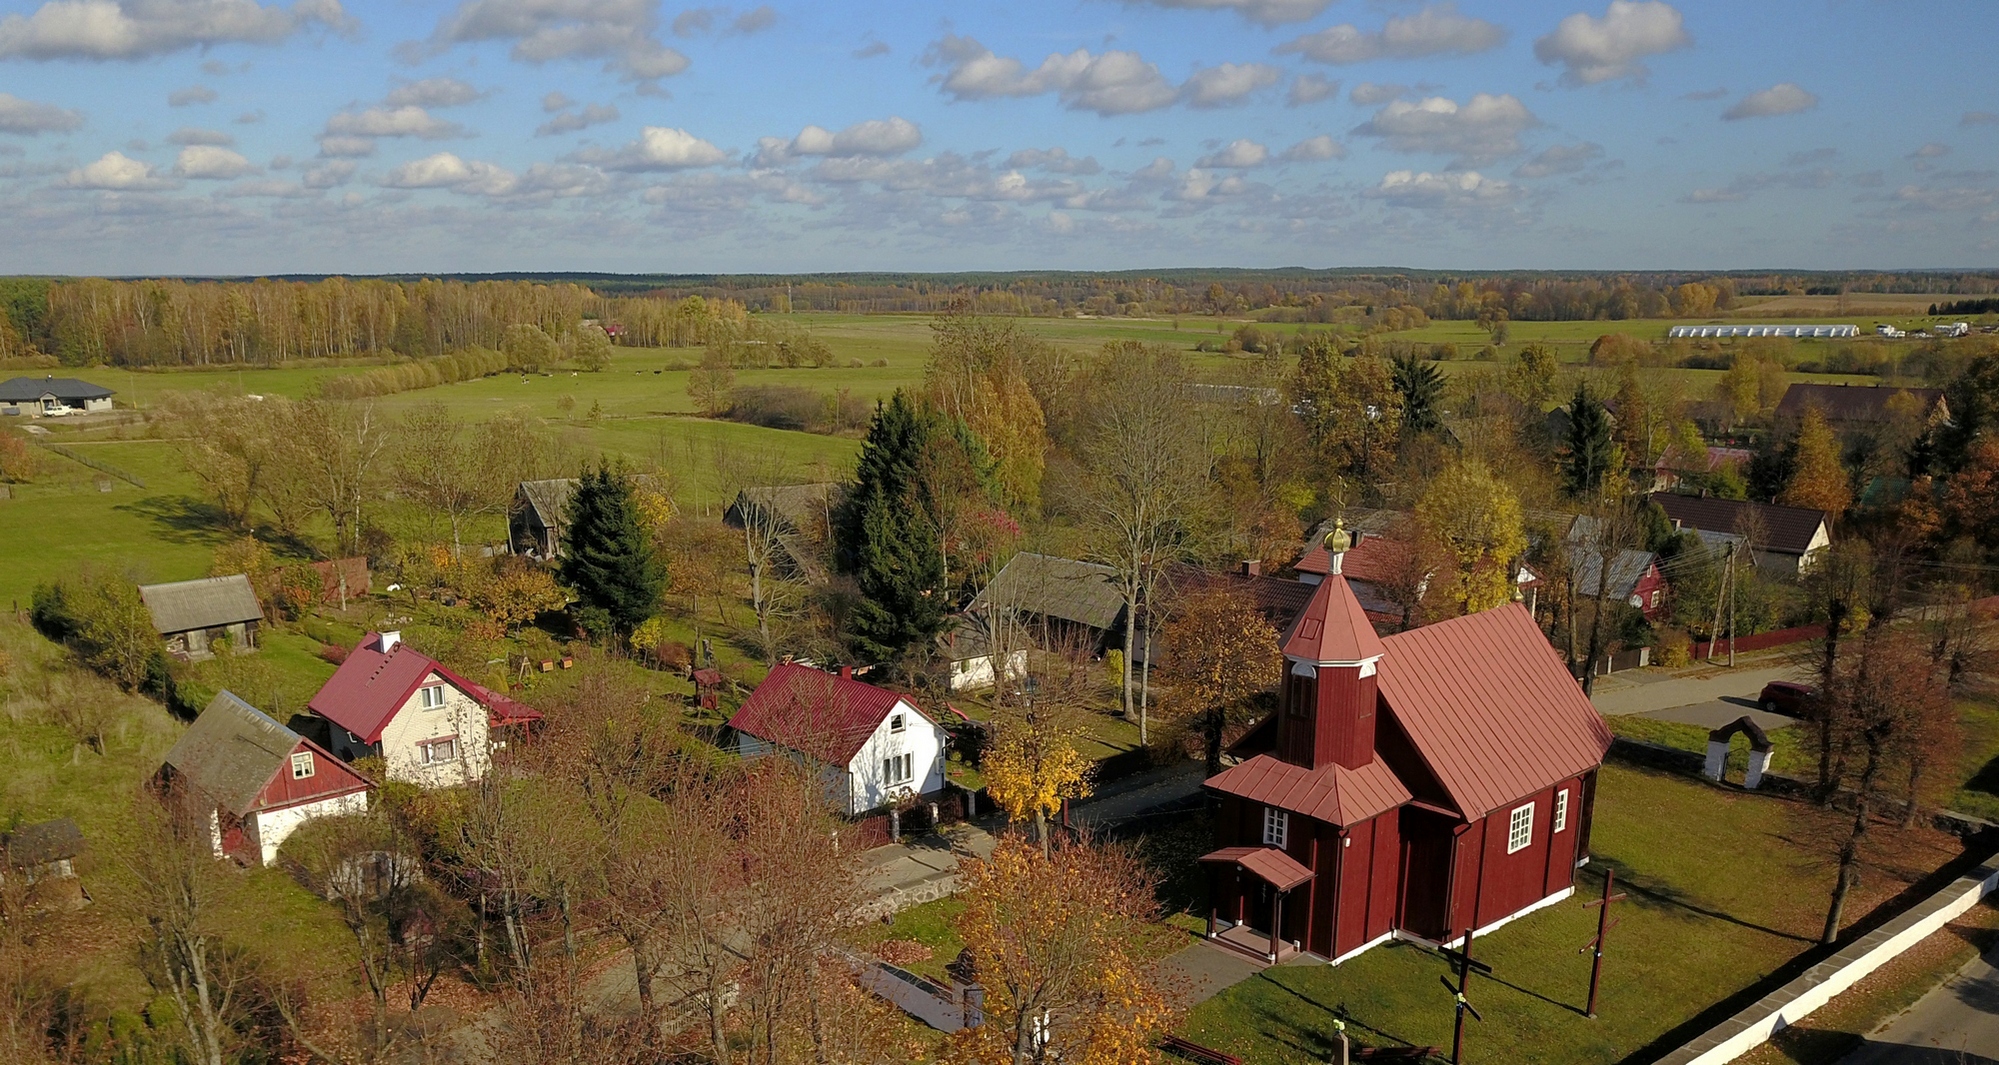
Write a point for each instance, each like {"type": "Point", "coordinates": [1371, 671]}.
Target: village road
{"type": "Point", "coordinates": [1702, 695]}
{"type": "Point", "coordinates": [1957, 1023]}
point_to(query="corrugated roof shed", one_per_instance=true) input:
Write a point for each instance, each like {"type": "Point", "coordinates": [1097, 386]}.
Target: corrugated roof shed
{"type": "Point", "coordinates": [824, 715]}
{"type": "Point", "coordinates": [549, 499]}
{"type": "Point", "coordinates": [1490, 707]}
{"type": "Point", "coordinates": [1064, 588]}
{"type": "Point", "coordinates": [1627, 568]}
{"type": "Point", "coordinates": [231, 751]}
{"type": "Point", "coordinates": [42, 843]}
{"type": "Point", "coordinates": [1788, 529]}
{"type": "Point", "coordinates": [209, 603]}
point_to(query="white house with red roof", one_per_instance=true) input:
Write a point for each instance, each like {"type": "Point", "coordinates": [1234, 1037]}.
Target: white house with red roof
{"type": "Point", "coordinates": [1416, 785]}
{"type": "Point", "coordinates": [874, 744]}
{"type": "Point", "coordinates": [430, 726]}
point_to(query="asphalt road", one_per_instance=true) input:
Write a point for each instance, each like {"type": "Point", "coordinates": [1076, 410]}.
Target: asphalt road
{"type": "Point", "coordinates": [1957, 1023]}
{"type": "Point", "coordinates": [1704, 696]}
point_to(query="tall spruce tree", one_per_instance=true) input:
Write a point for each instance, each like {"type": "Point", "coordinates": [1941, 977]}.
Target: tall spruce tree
{"type": "Point", "coordinates": [608, 557]}
{"type": "Point", "coordinates": [1421, 385]}
{"type": "Point", "coordinates": [1591, 453]}
{"type": "Point", "coordinates": [890, 541]}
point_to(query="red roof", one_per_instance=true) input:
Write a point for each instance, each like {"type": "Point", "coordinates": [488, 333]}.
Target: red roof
{"type": "Point", "coordinates": [1268, 864]}
{"type": "Point", "coordinates": [826, 716]}
{"type": "Point", "coordinates": [1374, 558]}
{"type": "Point", "coordinates": [1333, 627]}
{"type": "Point", "coordinates": [1490, 708]}
{"type": "Point", "coordinates": [364, 694]}
{"type": "Point", "coordinates": [1335, 794]}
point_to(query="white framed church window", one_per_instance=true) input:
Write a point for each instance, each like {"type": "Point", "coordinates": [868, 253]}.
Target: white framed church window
{"type": "Point", "coordinates": [1520, 829]}
{"type": "Point", "coordinates": [1561, 809]}
{"type": "Point", "coordinates": [1276, 827]}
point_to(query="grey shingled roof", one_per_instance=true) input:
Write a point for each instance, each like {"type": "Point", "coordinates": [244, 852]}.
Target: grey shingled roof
{"type": "Point", "coordinates": [30, 389]}
{"type": "Point", "coordinates": [209, 603]}
{"type": "Point", "coordinates": [795, 503]}
{"type": "Point", "coordinates": [1852, 403]}
{"type": "Point", "coordinates": [1064, 588]}
{"type": "Point", "coordinates": [231, 751]}
{"type": "Point", "coordinates": [1626, 569]}
{"type": "Point", "coordinates": [549, 499]}
{"type": "Point", "coordinates": [41, 843]}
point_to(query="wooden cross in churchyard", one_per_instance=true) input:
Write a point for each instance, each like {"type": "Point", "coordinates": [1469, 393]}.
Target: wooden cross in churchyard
{"type": "Point", "coordinates": [1461, 960]}
{"type": "Point", "coordinates": [1603, 926]}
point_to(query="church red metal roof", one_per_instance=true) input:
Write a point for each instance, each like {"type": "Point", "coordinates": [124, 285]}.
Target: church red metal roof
{"type": "Point", "coordinates": [1268, 864]}
{"type": "Point", "coordinates": [1333, 627]}
{"type": "Point", "coordinates": [1334, 794]}
{"type": "Point", "coordinates": [1490, 708]}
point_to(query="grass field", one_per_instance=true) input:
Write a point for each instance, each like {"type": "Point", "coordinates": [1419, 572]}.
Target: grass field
{"type": "Point", "coordinates": [1725, 887]}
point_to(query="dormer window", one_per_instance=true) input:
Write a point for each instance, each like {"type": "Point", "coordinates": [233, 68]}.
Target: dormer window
{"type": "Point", "coordinates": [430, 696]}
{"type": "Point", "coordinates": [898, 722]}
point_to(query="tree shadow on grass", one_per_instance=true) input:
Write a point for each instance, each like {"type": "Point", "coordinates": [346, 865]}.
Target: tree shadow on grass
{"type": "Point", "coordinates": [1986, 780]}
{"type": "Point", "coordinates": [1661, 894]}
{"type": "Point", "coordinates": [1321, 1045]}
{"type": "Point", "coordinates": [183, 519]}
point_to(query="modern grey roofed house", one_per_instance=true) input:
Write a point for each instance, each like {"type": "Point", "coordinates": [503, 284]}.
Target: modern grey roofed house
{"type": "Point", "coordinates": [192, 615]}
{"type": "Point", "coordinates": [48, 397]}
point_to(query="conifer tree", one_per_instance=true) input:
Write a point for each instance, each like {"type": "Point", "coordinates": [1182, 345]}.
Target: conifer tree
{"type": "Point", "coordinates": [608, 556]}
{"type": "Point", "coordinates": [1591, 451]}
{"type": "Point", "coordinates": [1421, 386]}
{"type": "Point", "coordinates": [1818, 479]}
{"type": "Point", "coordinates": [889, 542]}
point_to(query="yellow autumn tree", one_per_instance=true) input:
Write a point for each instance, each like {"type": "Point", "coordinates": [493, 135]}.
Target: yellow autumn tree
{"type": "Point", "coordinates": [1219, 653]}
{"type": "Point", "coordinates": [1032, 765]}
{"type": "Point", "coordinates": [1818, 480]}
{"type": "Point", "coordinates": [1053, 939]}
{"type": "Point", "coordinates": [978, 373]}
{"type": "Point", "coordinates": [1476, 518]}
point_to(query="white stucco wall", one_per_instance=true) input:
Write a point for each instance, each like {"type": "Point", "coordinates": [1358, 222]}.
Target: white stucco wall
{"type": "Point", "coordinates": [977, 672]}
{"type": "Point", "coordinates": [270, 828]}
{"type": "Point", "coordinates": [920, 738]}
{"type": "Point", "coordinates": [460, 716]}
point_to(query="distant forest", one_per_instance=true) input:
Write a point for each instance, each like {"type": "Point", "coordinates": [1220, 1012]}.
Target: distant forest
{"type": "Point", "coordinates": [187, 321]}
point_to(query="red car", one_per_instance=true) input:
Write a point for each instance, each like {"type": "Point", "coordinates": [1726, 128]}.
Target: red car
{"type": "Point", "coordinates": [1787, 697]}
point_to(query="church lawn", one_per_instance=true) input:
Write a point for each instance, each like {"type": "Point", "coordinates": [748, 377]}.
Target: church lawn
{"type": "Point", "coordinates": [1725, 887]}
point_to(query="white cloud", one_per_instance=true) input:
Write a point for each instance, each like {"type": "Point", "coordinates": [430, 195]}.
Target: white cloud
{"type": "Point", "coordinates": [1229, 84]}
{"type": "Point", "coordinates": [117, 173]}
{"type": "Point", "coordinates": [328, 175]}
{"type": "Point", "coordinates": [190, 135]}
{"type": "Point", "coordinates": [405, 121]}
{"type": "Point", "coordinates": [1719, 92]}
{"type": "Point", "coordinates": [1744, 184]}
{"type": "Point", "coordinates": [755, 20]}
{"type": "Point", "coordinates": [1604, 49]}
{"type": "Point", "coordinates": [1979, 118]}
{"type": "Point", "coordinates": [658, 148]}
{"type": "Point", "coordinates": [1485, 128]}
{"type": "Point", "coordinates": [1367, 93]}
{"type": "Point", "coordinates": [250, 118]}
{"type": "Point", "coordinates": [871, 50]}
{"type": "Point", "coordinates": [208, 162]}
{"type": "Point", "coordinates": [1560, 159]}
{"type": "Point", "coordinates": [1199, 185]}
{"type": "Point", "coordinates": [1422, 189]}
{"type": "Point", "coordinates": [447, 171]}
{"type": "Point", "coordinates": [875, 137]}
{"type": "Point", "coordinates": [622, 33]}
{"type": "Point", "coordinates": [193, 94]}
{"type": "Point", "coordinates": [1785, 98]}
{"type": "Point", "coordinates": [272, 189]}
{"type": "Point", "coordinates": [1261, 12]}
{"type": "Point", "coordinates": [1436, 30]}
{"type": "Point", "coordinates": [139, 29]}
{"type": "Point", "coordinates": [433, 92]}
{"type": "Point", "coordinates": [590, 115]}
{"type": "Point", "coordinates": [29, 117]}
{"type": "Point", "coordinates": [1310, 89]}
{"type": "Point", "coordinates": [334, 147]}
{"type": "Point", "coordinates": [1932, 150]}
{"type": "Point", "coordinates": [1054, 160]}
{"type": "Point", "coordinates": [1114, 83]}
{"type": "Point", "coordinates": [1314, 150]}
{"type": "Point", "coordinates": [1236, 155]}
{"type": "Point", "coordinates": [556, 101]}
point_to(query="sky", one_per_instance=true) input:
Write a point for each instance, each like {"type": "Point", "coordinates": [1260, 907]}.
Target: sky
{"type": "Point", "coordinates": [232, 137]}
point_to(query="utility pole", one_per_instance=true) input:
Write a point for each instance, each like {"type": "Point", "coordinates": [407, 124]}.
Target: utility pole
{"type": "Point", "coordinates": [1731, 610]}
{"type": "Point", "coordinates": [1462, 960]}
{"type": "Point", "coordinates": [1603, 926]}
{"type": "Point", "coordinates": [1720, 599]}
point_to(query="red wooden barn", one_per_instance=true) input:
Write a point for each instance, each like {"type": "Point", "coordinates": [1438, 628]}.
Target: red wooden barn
{"type": "Point", "coordinates": [1414, 785]}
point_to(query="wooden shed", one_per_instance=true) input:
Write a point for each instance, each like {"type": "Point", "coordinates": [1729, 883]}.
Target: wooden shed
{"type": "Point", "coordinates": [193, 615]}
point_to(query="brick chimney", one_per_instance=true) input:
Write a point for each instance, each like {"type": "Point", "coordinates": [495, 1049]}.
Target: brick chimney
{"type": "Point", "coordinates": [846, 673]}
{"type": "Point", "coordinates": [1326, 709]}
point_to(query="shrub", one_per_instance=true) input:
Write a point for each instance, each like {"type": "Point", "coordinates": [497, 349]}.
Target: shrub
{"type": "Point", "coordinates": [880, 362]}
{"type": "Point", "coordinates": [17, 459]}
{"type": "Point", "coordinates": [333, 652]}
{"type": "Point", "coordinates": [1675, 648]}
{"type": "Point", "coordinates": [778, 407]}
{"type": "Point", "coordinates": [452, 367]}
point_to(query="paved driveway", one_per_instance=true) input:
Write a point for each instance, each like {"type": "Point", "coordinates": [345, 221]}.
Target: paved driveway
{"type": "Point", "coordinates": [1957, 1023]}
{"type": "Point", "coordinates": [1702, 695]}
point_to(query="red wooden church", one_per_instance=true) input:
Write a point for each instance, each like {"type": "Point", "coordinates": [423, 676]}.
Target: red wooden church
{"type": "Point", "coordinates": [1417, 785]}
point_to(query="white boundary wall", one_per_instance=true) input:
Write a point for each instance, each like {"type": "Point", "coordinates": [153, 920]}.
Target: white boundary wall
{"type": "Point", "coordinates": [1785, 1006]}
